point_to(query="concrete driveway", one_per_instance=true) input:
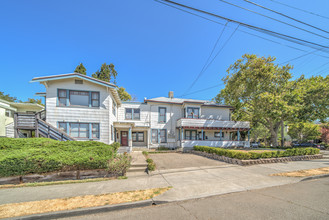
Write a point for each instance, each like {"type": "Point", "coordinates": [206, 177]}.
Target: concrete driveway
{"type": "Point", "coordinates": [165, 161]}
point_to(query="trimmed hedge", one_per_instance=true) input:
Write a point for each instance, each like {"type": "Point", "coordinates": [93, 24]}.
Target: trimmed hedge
{"type": "Point", "coordinates": [254, 155]}
{"type": "Point", "coordinates": [24, 156]}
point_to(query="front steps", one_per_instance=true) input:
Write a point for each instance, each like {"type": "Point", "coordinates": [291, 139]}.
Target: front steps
{"type": "Point", "coordinates": [138, 165]}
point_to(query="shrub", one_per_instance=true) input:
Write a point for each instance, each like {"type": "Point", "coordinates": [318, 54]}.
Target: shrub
{"type": "Point", "coordinates": [40, 155]}
{"type": "Point", "coordinates": [149, 160]}
{"type": "Point", "coordinates": [163, 148]}
{"type": "Point", "coordinates": [255, 155]}
{"type": "Point", "coordinates": [145, 153]}
{"type": "Point", "coordinates": [151, 166]}
{"type": "Point", "coordinates": [119, 165]}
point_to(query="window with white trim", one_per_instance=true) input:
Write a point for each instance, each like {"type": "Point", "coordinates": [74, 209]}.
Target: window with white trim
{"type": "Point", "coordinates": [80, 130]}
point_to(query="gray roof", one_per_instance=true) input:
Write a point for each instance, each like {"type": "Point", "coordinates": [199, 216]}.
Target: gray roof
{"type": "Point", "coordinates": [182, 101]}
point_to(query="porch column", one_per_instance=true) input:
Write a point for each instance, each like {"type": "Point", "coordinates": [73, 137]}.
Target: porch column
{"type": "Point", "coordinates": [115, 135]}
{"type": "Point", "coordinates": [158, 136]}
{"type": "Point", "coordinates": [238, 135]}
{"type": "Point", "coordinates": [220, 133]}
{"type": "Point", "coordinates": [130, 142]}
{"type": "Point", "coordinates": [182, 134]}
{"type": "Point", "coordinates": [202, 134]}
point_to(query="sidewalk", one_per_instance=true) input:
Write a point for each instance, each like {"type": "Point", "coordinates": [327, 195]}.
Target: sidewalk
{"type": "Point", "coordinates": [188, 183]}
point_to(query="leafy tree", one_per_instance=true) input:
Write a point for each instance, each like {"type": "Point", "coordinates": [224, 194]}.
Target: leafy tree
{"type": "Point", "coordinates": [304, 131]}
{"type": "Point", "coordinates": [124, 95]}
{"type": "Point", "coordinates": [7, 97]}
{"type": "Point", "coordinates": [37, 101]}
{"type": "Point", "coordinates": [259, 132]}
{"type": "Point", "coordinates": [106, 73]}
{"type": "Point", "coordinates": [264, 93]}
{"type": "Point", "coordinates": [81, 69]}
{"type": "Point", "coordinates": [325, 133]}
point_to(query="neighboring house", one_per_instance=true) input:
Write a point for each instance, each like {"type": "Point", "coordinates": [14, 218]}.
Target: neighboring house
{"type": "Point", "coordinates": [7, 111]}
{"type": "Point", "coordinates": [89, 109]}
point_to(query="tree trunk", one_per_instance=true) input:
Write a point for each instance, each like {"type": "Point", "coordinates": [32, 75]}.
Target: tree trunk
{"type": "Point", "coordinates": [274, 134]}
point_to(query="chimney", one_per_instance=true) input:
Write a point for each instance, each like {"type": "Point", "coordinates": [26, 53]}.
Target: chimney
{"type": "Point", "coordinates": [171, 94]}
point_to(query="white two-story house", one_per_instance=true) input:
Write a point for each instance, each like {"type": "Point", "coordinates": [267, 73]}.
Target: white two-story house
{"type": "Point", "coordinates": [89, 109]}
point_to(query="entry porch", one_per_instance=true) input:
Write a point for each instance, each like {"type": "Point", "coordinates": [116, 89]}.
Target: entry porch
{"type": "Point", "coordinates": [131, 136]}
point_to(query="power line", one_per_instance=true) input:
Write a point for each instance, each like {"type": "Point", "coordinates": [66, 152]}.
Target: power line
{"type": "Point", "coordinates": [284, 15]}
{"type": "Point", "coordinates": [263, 30]}
{"type": "Point", "coordinates": [215, 56]}
{"type": "Point", "coordinates": [299, 9]}
{"type": "Point", "coordinates": [269, 17]}
{"type": "Point", "coordinates": [212, 51]}
{"type": "Point", "coordinates": [246, 32]}
{"type": "Point", "coordinates": [201, 90]}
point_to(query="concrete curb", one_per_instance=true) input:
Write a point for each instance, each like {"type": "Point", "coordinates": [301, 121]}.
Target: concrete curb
{"type": "Point", "coordinates": [315, 177]}
{"type": "Point", "coordinates": [89, 211]}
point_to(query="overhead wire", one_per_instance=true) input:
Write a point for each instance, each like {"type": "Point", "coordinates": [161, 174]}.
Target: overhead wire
{"type": "Point", "coordinates": [269, 17]}
{"type": "Point", "coordinates": [212, 51]}
{"type": "Point", "coordinates": [286, 16]}
{"type": "Point", "coordinates": [259, 29]}
{"type": "Point", "coordinates": [299, 9]}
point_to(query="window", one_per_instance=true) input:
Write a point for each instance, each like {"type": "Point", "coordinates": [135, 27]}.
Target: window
{"type": "Point", "coordinates": [62, 97]}
{"type": "Point", "coordinates": [136, 115]}
{"type": "Point", "coordinates": [138, 136]}
{"type": "Point", "coordinates": [190, 135]}
{"type": "Point", "coordinates": [62, 126]}
{"type": "Point", "coordinates": [114, 108]}
{"type": "Point", "coordinates": [95, 131]}
{"type": "Point", "coordinates": [154, 136]}
{"type": "Point", "coordinates": [79, 130]}
{"type": "Point", "coordinates": [132, 114]}
{"type": "Point", "coordinates": [78, 98]}
{"type": "Point", "coordinates": [163, 135]}
{"type": "Point", "coordinates": [162, 114]}
{"type": "Point", "coordinates": [193, 112]}
{"type": "Point", "coordinates": [9, 113]}
{"type": "Point", "coordinates": [129, 115]}
{"type": "Point", "coordinates": [217, 134]}
{"type": "Point", "coordinates": [95, 99]}
{"type": "Point", "coordinates": [78, 81]}
{"type": "Point", "coordinates": [159, 133]}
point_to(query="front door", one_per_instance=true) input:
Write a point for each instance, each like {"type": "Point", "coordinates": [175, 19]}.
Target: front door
{"type": "Point", "coordinates": [124, 138]}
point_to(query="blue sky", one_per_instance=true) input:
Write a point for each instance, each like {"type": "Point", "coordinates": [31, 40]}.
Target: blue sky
{"type": "Point", "coordinates": [155, 48]}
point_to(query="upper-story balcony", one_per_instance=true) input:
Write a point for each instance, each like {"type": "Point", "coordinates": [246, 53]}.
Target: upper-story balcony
{"type": "Point", "coordinates": [210, 124]}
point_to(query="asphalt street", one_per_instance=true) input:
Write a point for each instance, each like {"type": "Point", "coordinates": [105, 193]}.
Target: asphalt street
{"type": "Point", "coordinates": [302, 200]}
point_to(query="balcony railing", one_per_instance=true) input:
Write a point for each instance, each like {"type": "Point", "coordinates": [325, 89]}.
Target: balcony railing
{"type": "Point", "coordinates": [212, 124]}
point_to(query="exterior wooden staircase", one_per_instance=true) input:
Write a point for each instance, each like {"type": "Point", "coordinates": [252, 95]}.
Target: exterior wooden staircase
{"type": "Point", "coordinates": [37, 122]}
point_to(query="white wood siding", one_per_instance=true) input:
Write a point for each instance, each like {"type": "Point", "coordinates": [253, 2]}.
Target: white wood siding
{"type": "Point", "coordinates": [99, 115]}
{"type": "Point", "coordinates": [215, 113]}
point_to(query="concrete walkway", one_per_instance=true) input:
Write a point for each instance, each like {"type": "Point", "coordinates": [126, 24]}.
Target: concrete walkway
{"type": "Point", "coordinates": [188, 183]}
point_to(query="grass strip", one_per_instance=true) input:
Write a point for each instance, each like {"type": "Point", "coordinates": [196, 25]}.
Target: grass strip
{"type": "Point", "coordinates": [53, 205]}
{"type": "Point", "coordinates": [304, 173]}
{"type": "Point", "coordinates": [59, 182]}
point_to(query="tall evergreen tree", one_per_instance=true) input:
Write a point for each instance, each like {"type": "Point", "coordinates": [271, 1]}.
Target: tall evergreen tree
{"type": "Point", "coordinates": [81, 69]}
